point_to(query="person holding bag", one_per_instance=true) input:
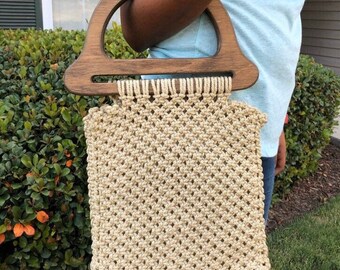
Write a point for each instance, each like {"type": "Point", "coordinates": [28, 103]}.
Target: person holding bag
{"type": "Point", "coordinates": [268, 33]}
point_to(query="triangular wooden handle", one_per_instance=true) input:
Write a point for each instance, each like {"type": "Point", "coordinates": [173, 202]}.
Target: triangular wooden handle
{"type": "Point", "coordinates": [94, 62]}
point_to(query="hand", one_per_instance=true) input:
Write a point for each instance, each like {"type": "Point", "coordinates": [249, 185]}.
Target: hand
{"type": "Point", "coordinates": [281, 155]}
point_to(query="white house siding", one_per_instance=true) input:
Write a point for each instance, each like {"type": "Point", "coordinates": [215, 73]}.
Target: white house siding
{"type": "Point", "coordinates": [321, 32]}
{"type": "Point", "coordinates": [47, 14]}
{"type": "Point", "coordinates": [75, 14]}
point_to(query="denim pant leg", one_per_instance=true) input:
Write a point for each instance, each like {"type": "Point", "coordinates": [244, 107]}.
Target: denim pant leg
{"type": "Point", "coordinates": [268, 166]}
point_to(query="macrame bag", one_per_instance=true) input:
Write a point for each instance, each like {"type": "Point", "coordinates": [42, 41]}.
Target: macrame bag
{"type": "Point", "coordinates": [175, 177]}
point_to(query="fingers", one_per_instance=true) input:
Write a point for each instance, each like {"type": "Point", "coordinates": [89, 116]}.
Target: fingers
{"type": "Point", "coordinates": [280, 165]}
{"type": "Point", "coordinates": [281, 155]}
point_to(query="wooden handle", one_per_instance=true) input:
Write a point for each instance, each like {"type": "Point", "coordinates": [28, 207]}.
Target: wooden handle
{"type": "Point", "coordinates": [94, 62]}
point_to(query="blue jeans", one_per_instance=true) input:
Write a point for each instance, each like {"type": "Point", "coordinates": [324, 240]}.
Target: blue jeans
{"type": "Point", "coordinates": [268, 167]}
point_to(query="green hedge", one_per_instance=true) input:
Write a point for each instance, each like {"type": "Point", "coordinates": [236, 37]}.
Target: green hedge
{"type": "Point", "coordinates": [42, 148]}
{"type": "Point", "coordinates": [43, 153]}
{"type": "Point", "coordinates": [312, 112]}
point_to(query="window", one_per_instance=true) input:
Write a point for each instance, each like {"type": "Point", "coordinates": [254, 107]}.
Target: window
{"type": "Point", "coordinates": [20, 14]}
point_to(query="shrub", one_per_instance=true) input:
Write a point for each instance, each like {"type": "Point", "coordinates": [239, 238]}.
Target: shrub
{"type": "Point", "coordinates": [312, 112]}
{"type": "Point", "coordinates": [42, 149]}
{"type": "Point", "coordinates": [43, 181]}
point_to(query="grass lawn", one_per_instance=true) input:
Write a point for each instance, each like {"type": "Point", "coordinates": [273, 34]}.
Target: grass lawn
{"type": "Point", "coordinates": [310, 242]}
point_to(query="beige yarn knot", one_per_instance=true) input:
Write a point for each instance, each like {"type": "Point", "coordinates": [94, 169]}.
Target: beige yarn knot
{"type": "Point", "coordinates": [175, 178]}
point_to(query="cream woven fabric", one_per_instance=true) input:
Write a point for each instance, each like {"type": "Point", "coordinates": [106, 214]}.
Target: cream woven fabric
{"type": "Point", "coordinates": [175, 180]}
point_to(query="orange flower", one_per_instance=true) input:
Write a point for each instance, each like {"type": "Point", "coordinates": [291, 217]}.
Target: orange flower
{"type": "Point", "coordinates": [29, 230]}
{"type": "Point", "coordinates": [9, 227]}
{"type": "Point", "coordinates": [69, 163]}
{"type": "Point", "coordinates": [18, 229]}
{"type": "Point", "coordinates": [42, 216]}
{"type": "Point", "coordinates": [2, 238]}
{"type": "Point", "coordinates": [67, 153]}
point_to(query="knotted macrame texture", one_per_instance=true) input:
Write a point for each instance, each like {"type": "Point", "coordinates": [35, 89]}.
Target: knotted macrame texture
{"type": "Point", "coordinates": [175, 178]}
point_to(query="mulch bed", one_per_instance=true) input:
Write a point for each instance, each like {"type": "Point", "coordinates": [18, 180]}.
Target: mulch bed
{"type": "Point", "coordinates": [311, 192]}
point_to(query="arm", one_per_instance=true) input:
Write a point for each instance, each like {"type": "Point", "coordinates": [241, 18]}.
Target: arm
{"type": "Point", "coordinates": [147, 22]}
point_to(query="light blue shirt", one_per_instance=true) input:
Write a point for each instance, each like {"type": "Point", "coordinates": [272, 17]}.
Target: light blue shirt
{"type": "Point", "coordinates": [269, 34]}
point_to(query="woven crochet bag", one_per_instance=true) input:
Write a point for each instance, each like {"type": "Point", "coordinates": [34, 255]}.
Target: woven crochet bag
{"type": "Point", "coordinates": [174, 168]}
{"type": "Point", "coordinates": [175, 182]}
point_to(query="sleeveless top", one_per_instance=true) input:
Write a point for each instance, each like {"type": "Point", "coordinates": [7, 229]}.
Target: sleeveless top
{"type": "Point", "coordinates": [269, 34]}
